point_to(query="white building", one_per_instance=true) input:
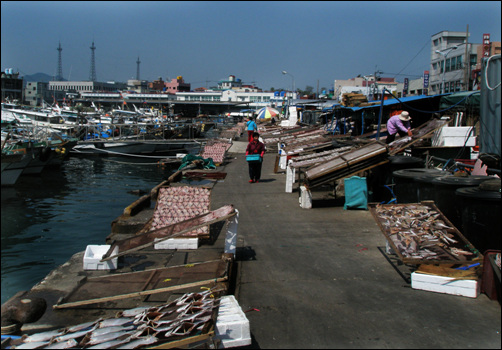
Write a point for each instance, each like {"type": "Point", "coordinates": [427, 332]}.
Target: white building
{"type": "Point", "coordinates": [451, 59]}
{"type": "Point", "coordinates": [85, 86]}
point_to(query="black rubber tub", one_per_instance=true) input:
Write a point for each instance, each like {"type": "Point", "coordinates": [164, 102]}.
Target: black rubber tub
{"type": "Point", "coordinates": [405, 186]}
{"type": "Point", "coordinates": [480, 213]}
{"type": "Point", "coordinates": [444, 194]}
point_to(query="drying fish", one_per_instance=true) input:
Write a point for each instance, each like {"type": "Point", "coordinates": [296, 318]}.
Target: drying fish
{"type": "Point", "coordinates": [82, 326]}
{"type": "Point", "coordinates": [63, 345]}
{"type": "Point", "coordinates": [101, 331]}
{"type": "Point", "coordinates": [32, 345]}
{"type": "Point", "coordinates": [140, 342]}
{"type": "Point", "coordinates": [110, 344]}
{"type": "Point", "coordinates": [457, 251]}
{"type": "Point", "coordinates": [74, 335]}
{"type": "Point", "coordinates": [131, 312]}
{"type": "Point", "coordinates": [115, 322]}
{"type": "Point", "coordinates": [107, 337]}
{"type": "Point", "coordinates": [418, 232]}
{"type": "Point", "coordinates": [38, 337]}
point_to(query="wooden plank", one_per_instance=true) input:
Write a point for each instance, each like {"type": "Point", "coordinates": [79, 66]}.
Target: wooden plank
{"type": "Point", "coordinates": [184, 342]}
{"type": "Point", "coordinates": [146, 239]}
{"type": "Point", "coordinates": [138, 294]}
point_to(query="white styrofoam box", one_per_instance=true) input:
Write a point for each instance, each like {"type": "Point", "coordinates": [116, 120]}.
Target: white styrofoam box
{"type": "Point", "coordinates": [290, 178]}
{"type": "Point", "coordinates": [232, 325]}
{"type": "Point", "coordinates": [305, 198]}
{"type": "Point", "coordinates": [94, 253]}
{"type": "Point", "coordinates": [447, 285]}
{"type": "Point", "coordinates": [454, 136]}
{"type": "Point", "coordinates": [178, 243]}
{"type": "Point", "coordinates": [231, 237]}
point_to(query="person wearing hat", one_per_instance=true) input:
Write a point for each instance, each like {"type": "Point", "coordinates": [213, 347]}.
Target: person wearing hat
{"type": "Point", "coordinates": [252, 128]}
{"type": "Point", "coordinates": [398, 124]}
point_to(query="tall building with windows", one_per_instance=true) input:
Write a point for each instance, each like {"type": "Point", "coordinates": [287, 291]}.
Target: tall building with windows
{"type": "Point", "coordinates": [452, 55]}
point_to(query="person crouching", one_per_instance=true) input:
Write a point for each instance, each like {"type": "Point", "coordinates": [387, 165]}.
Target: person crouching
{"type": "Point", "coordinates": [398, 124]}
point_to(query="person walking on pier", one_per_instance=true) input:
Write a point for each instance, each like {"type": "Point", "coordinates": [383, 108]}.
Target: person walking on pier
{"type": "Point", "coordinates": [257, 149]}
{"type": "Point", "coordinates": [252, 128]}
{"type": "Point", "coordinates": [398, 124]}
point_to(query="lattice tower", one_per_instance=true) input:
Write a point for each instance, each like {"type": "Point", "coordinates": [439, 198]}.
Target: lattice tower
{"type": "Point", "coordinates": [92, 74]}
{"type": "Point", "coordinates": [137, 68]}
{"type": "Point", "coordinates": [59, 75]}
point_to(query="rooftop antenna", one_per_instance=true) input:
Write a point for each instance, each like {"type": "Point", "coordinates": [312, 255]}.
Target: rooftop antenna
{"type": "Point", "coordinates": [59, 75]}
{"type": "Point", "coordinates": [92, 74]}
{"type": "Point", "coordinates": [137, 68]}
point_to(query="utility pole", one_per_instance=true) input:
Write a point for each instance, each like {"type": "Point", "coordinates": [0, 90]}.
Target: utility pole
{"type": "Point", "coordinates": [467, 61]}
{"type": "Point", "coordinates": [376, 81]}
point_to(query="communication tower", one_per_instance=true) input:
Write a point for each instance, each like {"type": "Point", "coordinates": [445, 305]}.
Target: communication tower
{"type": "Point", "coordinates": [92, 74]}
{"type": "Point", "coordinates": [137, 68]}
{"type": "Point", "coordinates": [59, 76]}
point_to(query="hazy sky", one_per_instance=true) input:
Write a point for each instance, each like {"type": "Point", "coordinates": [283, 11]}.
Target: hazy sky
{"type": "Point", "coordinates": [255, 41]}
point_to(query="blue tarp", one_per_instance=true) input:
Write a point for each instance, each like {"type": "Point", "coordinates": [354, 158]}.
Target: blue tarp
{"type": "Point", "coordinates": [356, 193]}
{"type": "Point", "coordinates": [394, 101]}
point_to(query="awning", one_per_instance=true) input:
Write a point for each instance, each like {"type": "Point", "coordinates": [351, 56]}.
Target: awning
{"type": "Point", "coordinates": [394, 101]}
{"type": "Point", "coordinates": [461, 99]}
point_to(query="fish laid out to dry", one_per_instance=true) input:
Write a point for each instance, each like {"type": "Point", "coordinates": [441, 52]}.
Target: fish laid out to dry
{"type": "Point", "coordinates": [132, 329]}
{"type": "Point", "coordinates": [175, 204]}
{"type": "Point", "coordinates": [417, 232]}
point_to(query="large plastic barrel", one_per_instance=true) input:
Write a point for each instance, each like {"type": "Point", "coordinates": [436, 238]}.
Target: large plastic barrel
{"type": "Point", "coordinates": [480, 212]}
{"type": "Point", "coordinates": [382, 175]}
{"type": "Point", "coordinates": [405, 186]}
{"type": "Point", "coordinates": [444, 194]}
{"type": "Point", "coordinates": [425, 186]}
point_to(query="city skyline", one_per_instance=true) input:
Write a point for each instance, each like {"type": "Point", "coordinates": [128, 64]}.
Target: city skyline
{"type": "Point", "coordinates": [205, 42]}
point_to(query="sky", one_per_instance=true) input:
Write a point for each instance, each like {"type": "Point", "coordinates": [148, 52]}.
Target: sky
{"type": "Point", "coordinates": [316, 42]}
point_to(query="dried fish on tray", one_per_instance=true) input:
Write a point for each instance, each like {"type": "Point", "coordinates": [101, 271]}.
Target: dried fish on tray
{"type": "Point", "coordinates": [189, 315]}
{"type": "Point", "coordinates": [179, 203]}
{"type": "Point", "coordinates": [419, 233]}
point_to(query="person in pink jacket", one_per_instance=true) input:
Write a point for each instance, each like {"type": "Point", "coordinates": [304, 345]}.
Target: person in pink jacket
{"type": "Point", "coordinates": [398, 124]}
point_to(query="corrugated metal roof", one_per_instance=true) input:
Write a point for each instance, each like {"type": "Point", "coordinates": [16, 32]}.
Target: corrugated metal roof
{"type": "Point", "coordinates": [396, 101]}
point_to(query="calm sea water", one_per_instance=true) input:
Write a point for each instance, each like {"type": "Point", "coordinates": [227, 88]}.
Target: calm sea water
{"type": "Point", "coordinates": [48, 218]}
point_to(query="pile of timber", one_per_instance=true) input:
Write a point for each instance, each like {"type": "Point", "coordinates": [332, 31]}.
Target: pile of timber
{"type": "Point", "coordinates": [353, 100]}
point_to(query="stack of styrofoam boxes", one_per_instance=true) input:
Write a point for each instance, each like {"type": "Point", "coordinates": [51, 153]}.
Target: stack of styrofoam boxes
{"type": "Point", "coordinates": [94, 253]}
{"type": "Point", "coordinates": [232, 326]}
{"type": "Point", "coordinates": [446, 285]}
{"type": "Point", "coordinates": [454, 137]}
{"type": "Point", "coordinates": [178, 243]}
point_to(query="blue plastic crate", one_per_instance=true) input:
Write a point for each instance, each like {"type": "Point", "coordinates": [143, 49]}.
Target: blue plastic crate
{"type": "Point", "coordinates": [253, 158]}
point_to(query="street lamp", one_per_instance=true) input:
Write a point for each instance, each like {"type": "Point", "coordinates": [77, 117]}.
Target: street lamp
{"type": "Point", "coordinates": [284, 72]}
{"type": "Point", "coordinates": [445, 54]}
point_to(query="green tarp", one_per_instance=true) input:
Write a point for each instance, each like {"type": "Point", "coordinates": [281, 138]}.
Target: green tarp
{"type": "Point", "coordinates": [463, 99]}
{"type": "Point", "coordinates": [189, 158]}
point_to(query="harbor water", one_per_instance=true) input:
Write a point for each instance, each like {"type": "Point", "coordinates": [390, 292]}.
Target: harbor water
{"type": "Point", "coordinates": [48, 218]}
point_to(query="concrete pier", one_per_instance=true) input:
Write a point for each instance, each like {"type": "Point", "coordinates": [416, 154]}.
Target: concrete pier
{"type": "Point", "coordinates": [317, 278]}
{"type": "Point", "coordinates": [320, 278]}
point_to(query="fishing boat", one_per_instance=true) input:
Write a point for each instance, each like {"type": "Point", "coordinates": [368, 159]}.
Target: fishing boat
{"type": "Point", "coordinates": [104, 147]}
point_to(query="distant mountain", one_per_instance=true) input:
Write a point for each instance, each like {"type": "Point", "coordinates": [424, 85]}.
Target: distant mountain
{"type": "Point", "coordinates": [39, 77]}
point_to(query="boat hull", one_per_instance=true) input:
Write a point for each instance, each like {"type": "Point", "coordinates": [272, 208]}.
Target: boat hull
{"type": "Point", "coordinates": [117, 148]}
